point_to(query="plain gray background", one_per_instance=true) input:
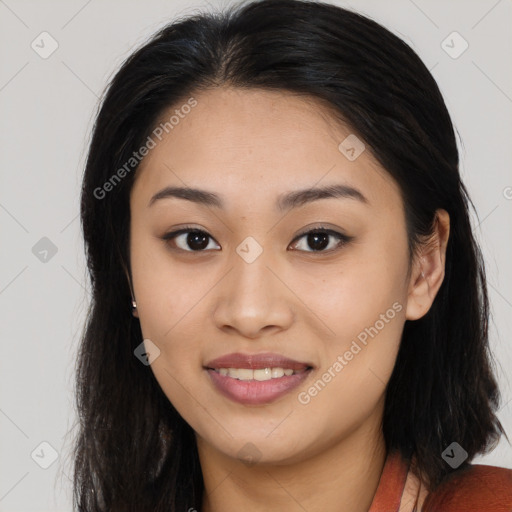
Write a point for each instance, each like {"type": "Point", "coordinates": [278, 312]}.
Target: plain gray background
{"type": "Point", "coordinates": [47, 106]}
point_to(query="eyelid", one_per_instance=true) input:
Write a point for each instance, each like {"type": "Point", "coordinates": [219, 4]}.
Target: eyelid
{"type": "Point", "coordinates": [186, 229]}
{"type": "Point", "coordinates": [342, 238]}
{"type": "Point", "coordinates": [320, 229]}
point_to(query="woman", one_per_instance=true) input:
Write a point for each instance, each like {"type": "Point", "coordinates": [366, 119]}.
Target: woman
{"type": "Point", "coordinates": [289, 307]}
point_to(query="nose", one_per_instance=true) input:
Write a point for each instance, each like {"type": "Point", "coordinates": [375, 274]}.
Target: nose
{"type": "Point", "coordinates": [253, 298]}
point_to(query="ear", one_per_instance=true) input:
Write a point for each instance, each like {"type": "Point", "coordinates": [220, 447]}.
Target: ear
{"type": "Point", "coordinates": [428, 269]}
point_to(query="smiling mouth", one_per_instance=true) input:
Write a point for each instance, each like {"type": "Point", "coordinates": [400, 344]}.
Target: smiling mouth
{"type": "Point", "coordinates": [258, 378]}
{"type": "Point", "coordinates": [256, 387]}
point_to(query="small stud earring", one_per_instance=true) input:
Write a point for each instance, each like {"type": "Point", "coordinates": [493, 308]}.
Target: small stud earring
{"type": "Point", "coordinates": [134, 305]}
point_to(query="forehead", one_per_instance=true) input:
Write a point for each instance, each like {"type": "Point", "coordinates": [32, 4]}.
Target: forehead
{"type": "Point", "coordinates": [256, 144]}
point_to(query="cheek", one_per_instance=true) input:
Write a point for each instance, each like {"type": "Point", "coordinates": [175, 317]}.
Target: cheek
{"type": "Point", "coordinates": [166, 292]}
{"type": "Point", "coordinates": [352, 293]}
{"type": "Point", "coordinates": [355, 369]}
{"type": "Point", "coordinates": [362, 308]}
{"type": "Point", "coordinates": [171, 303]}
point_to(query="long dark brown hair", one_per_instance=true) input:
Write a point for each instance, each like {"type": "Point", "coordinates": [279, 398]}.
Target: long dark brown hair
{"type": "Point", "coordinates": [133, 450]}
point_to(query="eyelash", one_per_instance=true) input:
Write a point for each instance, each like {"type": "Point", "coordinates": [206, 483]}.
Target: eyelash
{"type": "Point", "coordinates": [342, 239]}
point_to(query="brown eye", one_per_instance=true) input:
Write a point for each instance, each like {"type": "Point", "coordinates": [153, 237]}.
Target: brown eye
{"type": "Point", "coordinates": [320, 238]}
{"type": "Point", "coordinates": [190, 240]}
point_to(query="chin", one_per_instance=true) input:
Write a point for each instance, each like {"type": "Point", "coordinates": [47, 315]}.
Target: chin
{"type": "Point", "coordinates": [261, 448]}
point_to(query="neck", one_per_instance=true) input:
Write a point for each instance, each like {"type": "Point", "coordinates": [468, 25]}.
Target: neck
{"type": "Point", "coordinates": [342, 477]}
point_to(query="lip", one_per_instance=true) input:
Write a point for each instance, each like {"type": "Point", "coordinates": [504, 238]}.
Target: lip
{"type": "Point", "coordinates": [254, 392]}
{"type": "Point", "coordinates": [256, 361]}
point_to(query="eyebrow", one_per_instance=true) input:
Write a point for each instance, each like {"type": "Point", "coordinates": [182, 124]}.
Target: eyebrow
{"type": "Point", "coordinates": [287, 201]}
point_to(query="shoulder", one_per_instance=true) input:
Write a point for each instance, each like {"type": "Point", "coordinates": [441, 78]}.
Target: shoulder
{"type": "Point", "coordinates": [477, 488]}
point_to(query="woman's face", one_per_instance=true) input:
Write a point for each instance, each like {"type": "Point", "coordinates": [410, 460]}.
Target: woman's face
{"type": "Point", "coordinates": [331, 308]}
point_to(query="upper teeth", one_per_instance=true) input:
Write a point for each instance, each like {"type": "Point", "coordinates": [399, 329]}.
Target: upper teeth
{"type": "Point", "coordinates": [260, 374]}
